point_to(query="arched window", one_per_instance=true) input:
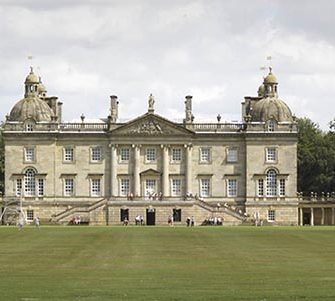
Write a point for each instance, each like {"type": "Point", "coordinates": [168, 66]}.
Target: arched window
{"type": "Point", "coordinates": [29, 183]}
{"type": "Point", "coordinates": [271, 183]}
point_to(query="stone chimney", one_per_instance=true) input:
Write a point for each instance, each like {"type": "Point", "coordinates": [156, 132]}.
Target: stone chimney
{"type": "Point", "coordinates": [188, 109]}
{"type": "Point", "coordinates": [114, 108]}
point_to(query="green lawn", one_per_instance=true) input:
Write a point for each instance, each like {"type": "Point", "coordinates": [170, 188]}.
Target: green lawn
{"type": "Point", "coordinates": [163, 263]}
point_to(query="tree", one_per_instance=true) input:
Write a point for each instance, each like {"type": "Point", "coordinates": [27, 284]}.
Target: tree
{"type": "Point", "coordinates": [2, 162]}
{"type": "Point", "coordinates": [316, 158]}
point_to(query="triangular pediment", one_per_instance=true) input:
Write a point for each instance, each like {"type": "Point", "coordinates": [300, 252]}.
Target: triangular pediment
{"type": "Point", "coordinates": [151, 125]}
{"type": "Point", "coordinates": [150, 172]}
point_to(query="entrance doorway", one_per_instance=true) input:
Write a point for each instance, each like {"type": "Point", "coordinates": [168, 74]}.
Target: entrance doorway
{"type": "Point", "coordinates": [151, 217]}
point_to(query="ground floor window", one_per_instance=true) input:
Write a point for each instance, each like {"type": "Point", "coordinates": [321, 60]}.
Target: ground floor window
{"type": "Point", "coordinates": [177, 215]}
{"type": "Point", "coordinates": [271, 215]}
{"type": "Point", "coordinates": [30, 215]}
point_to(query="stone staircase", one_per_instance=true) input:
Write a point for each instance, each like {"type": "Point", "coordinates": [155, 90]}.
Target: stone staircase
{"type": "Point", "coordinates": [224, 209]}
{"type": "Point", "coordinates": [83, 211]}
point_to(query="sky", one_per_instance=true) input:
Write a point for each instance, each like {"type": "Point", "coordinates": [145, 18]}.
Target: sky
{"type": "Point", "coordinates": [87, 50]}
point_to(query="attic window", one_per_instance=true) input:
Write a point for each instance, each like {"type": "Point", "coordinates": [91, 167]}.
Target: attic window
{"type": "Point", "coordinates": [29, 127]}
{"type": "Point", "coordinates": [271, 126]}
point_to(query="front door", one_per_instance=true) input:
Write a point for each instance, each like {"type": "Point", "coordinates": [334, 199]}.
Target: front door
{"type": "Point", "coordinates": [151, 217]}
{"type": "Point", "coordinates": [306, 218]}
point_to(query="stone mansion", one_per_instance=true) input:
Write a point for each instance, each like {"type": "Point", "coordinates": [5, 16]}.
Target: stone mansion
{"type": "Point", "coordinates": [109, 171]}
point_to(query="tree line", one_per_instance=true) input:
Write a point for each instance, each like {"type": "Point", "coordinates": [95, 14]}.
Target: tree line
{"type": "Point", "coordinates": [316, 158]}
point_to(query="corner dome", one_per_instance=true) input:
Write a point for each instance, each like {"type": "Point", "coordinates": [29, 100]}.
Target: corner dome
{"type": "Point", "coordinates": [271, 108]}
{"type": "Point", "coordinates": [31, 108]}
{"type": "Point", "coordinates": [32, 78]}
{"type": "Point", "coordinates": [261, 90]}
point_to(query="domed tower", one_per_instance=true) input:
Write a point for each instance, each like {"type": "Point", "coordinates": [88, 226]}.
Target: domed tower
{"type": "Point", "coordinates": [270, 107]}
{"type": "Point", "coordinates": [31, 106]}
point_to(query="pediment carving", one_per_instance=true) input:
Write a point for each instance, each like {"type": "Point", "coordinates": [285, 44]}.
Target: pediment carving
{"type": "Point", "coordinates": [151, 126]}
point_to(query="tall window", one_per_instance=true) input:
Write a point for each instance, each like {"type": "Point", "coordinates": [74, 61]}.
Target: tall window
{"type": "Point", "coordinates": [176, 187]}
{"type": "Point", "coordinates": [29, 183]}
{"type": "Point", "coordinates": [150, 154]}
{"type": "Point", "coordinates": [260, 187]}
{"type": "Point", "coordinates": [205, 155]}
{"type": "Point", "coordinates": [95, 187]}
{"type": "Point", "coordinates": [124, 154]}
{"type": "Point", "coordinates": [124, 187]}
{"type": "Point", "coordinates": [232, 154]}
{"type": "Point", "coordinates": [68, 154]}
{"type": "Point", "coordinates": [29, 154]}
{"type": "Point", "coordinates": [68, 187]}
{"type": "Point", "coordinates": [271, 154]}
{"type": "Point", "coordinates": [40, 187]}
{"type": "Point", "coordinates": [96, 154]}
{"type": "Point", "coordinates": [282, 191]}
{"type": "Point", "coordinates": [18, 187]}
{"type": "Point", "coordinates": [176, 155]}
{"type": "Point", "coordinates": [205, 187]}
{"type": "Point", "coordinates": [271, 183]}
{"type": "Point", "coordinates": [232, 188]}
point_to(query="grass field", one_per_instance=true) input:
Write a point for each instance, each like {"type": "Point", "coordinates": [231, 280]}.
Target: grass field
{"type": "Point", "coordinates": [162, 263]}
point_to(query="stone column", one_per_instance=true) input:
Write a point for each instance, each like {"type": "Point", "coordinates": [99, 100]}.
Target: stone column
{"type": "Point", "coordinates": [333, 216]}
{"type": "Point", "coordinates": [188, 172]}
{"type": "Point", "coordinates": [322, 216]}
{"type": "Point", "coordinates": [114, 190]}
{"type": "Point", "coordinates": [312, 216]}
{"type": "Point", "coordinates": [301, 216]}
{"type": "Point", "coordinates": [165, 176]}
{"type": "Point", "coordinates": [137, 180]}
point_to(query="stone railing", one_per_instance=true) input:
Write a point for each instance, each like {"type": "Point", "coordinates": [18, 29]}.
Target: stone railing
{"type": "Point", "coordinates": [216, 127]}
{"type": "Point", "coordinates": [315, 197]}
{"type": "Point", "coordinates": [83, 126]}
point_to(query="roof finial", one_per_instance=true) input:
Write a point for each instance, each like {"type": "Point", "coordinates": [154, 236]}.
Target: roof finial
{"type": "Point", "coordinates": [151, 102]}
{"type": "Point", "coordinates": [270, 69]}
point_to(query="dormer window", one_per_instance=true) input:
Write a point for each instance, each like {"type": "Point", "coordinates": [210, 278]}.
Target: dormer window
{"type": "Point", "coordinates": [29, 127]}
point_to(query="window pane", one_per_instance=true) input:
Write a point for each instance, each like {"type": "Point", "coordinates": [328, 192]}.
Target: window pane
{"type": "Point", "coordinates": [30, 215]}
{"type": "Point", "coordinates": [260, 187]}
{"type": "Point", "coordinates": [271, 183]}
{"type": "Point", "coordinates": [29, 154]}
{"type": "Point", "coordinates": [124, 153]}
{"type": "Point", "coordinates": [282, 191]}
{"type": "Point", "coordinates": [232, 155]}
{"type": "Point", "coordinates": [40, 187]}
{"type": "Point", "coordinates": [125, 187]}
{"type": "Point", "coordinates": [95, 187]}
{"type": "Point", "coordinates": [271, 154]}
{"type": "Point", "coordinates": [271, 215]}
{"type": "Point", "coordinates": [176, 154]}
{"type": "Point", "coordinates": [151, 154]}
{"type": "Point", "coordinates": [176, 187]}
{"type": "Point", "coordinates": [232, 187]}
{"type": "Point", "coordinates": [205, 187]}
{"type": "Point", "coordinates": [96, 154]}
{"type": "Point", "coordinates": [205, 154]}
{"type": "Point", "coordinates": [68, 154]}
{"type": "Point", "coordinates": [29, 183]}
{"type": "Point", "coordinates": [69, 187]}
{"type": "Point", "coordinates": [18, 187]}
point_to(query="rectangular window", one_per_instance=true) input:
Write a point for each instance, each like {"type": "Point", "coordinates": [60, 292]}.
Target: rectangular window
{"type": "Point", "coordinates": [232, 154]}
{"type": "Point", "coordinates": [95, 187]}
{"type": "Point", "coordinates": [68, 154]}
{"type": "Point", "coordinates": [176, 187]}
{"type": "Point", "coordinates": [177, 215]}
{"type": "Point", "coordinates": [151, 154]}
{"type": "Point", "coordinates": [124, 154]}
{"type": "Point", "coordinates": [271, 215]}
{"type": "Point", "coordinates": [40, 183]}
{"type": "Point", "coordinates": [68, 187]}
{"type": "Point", "coordinates": [150, 187]}
{"type": "Point", "coordinates": [271, 154]}
{"type": "Point", "coordinates": [176, 155]}
{"type": "Point", "coordinates": [260, 187]}
{"type": "Point", "coordinates": [30, 215]}
{"type": "Point", "coordinates": [205, 187]}
{"type": "Point", "coordinates": [18, 188]}
{"type": "Point", "coordinates": [96, 154]}
{"type": "Point", "coordinates": [282, 191]}
{"type": "Point", "coordinates": [205, 155]}
{"type": "Point", "coordinates": [124, 187]}
{"type": "Point", "coordinates": [29, 154]}
{"type": "Point", "coordinates": [232, 188]}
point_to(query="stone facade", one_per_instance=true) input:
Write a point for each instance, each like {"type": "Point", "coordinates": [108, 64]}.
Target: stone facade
{"type": "Point", "coordinates": [150, 166]}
